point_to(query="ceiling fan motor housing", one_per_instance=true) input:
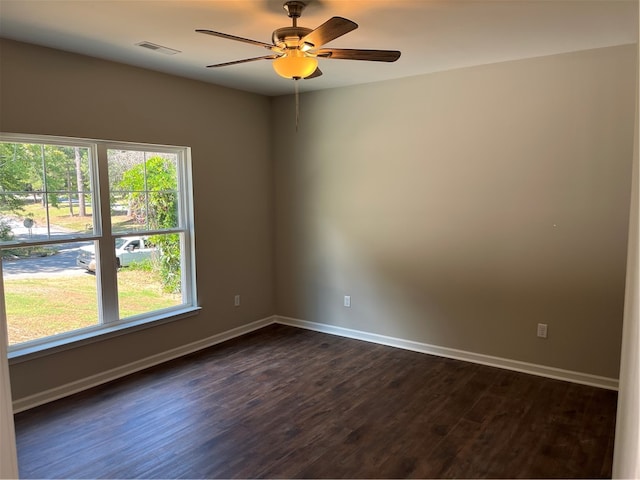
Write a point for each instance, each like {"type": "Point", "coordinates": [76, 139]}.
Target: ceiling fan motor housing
{"type": "Point", "coordinates": [289, 36]}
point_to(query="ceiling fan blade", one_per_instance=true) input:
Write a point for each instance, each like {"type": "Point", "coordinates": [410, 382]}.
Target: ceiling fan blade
{"type": "Point", "coordinates": [315, 74]}
{"type": "Point", "coordinates": [239, 39]}
{"type": "Point", "coordinates": [355, 54]}
{"type": "Point", "coordinates": [330, 30]}
{"type": "Point", "coordinates": [246, 60]}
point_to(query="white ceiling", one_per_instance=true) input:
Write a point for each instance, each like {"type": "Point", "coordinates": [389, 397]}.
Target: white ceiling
{"type": "Point", "coordinates": [433, 35]}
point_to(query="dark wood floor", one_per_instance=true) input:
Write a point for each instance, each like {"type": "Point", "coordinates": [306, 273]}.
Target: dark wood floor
{"type": "Point", "coordinates": [284, 402]}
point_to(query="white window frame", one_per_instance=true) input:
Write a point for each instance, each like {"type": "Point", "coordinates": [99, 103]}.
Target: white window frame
{"type": "Point", "coordinates": [109, 323]}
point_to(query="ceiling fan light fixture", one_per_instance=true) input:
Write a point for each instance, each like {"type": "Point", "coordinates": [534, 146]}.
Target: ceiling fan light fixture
{"type": "Point", "coordinates": [295, 50]}
{"type": "Point", "coordinates": [295, 64]}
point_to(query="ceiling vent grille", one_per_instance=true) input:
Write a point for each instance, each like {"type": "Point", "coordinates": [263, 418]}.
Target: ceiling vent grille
{"type": "Point", "coordinates": [157, 48]}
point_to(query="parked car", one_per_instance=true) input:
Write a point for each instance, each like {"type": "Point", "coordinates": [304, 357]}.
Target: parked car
{"type": "Point", "coordinates": [128, 250]}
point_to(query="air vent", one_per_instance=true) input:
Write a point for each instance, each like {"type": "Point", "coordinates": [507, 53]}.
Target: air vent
{"type": "Point", "coordinates": [157, 48]}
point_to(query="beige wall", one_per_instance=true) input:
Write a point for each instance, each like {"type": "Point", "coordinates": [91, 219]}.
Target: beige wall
{"type": "Point", "coordinates": [462, 208]}
{"type": "Point", "coordinates": [431, 200]}
{"type": "Point", "coordinates": [46, 91]}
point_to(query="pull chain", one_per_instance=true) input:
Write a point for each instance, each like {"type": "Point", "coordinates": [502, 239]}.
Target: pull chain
{"type": "Point", "coordinates": [297, 103]}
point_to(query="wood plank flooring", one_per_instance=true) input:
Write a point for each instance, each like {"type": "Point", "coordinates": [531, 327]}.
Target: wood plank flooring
{"type": "Point", "coordinates": [290, 403]}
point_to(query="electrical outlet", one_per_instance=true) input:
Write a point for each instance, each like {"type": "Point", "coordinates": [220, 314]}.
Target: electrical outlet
{"type": "Point", "coordinates": [347, 301]}
{"type": "Point", "coordinates": [236, 301]}
{"type": "Point", "coordinates": [542, 330]}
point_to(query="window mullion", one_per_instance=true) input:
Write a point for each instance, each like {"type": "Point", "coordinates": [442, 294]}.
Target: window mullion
{"type": "Point", "coordinates": [186, 223]}
{"type": "Point", "coordinates": [105, 251]}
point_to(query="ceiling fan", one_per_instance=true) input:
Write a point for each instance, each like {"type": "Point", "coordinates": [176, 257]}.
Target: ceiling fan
{"type": "Point", "coordinates": [295, 50]}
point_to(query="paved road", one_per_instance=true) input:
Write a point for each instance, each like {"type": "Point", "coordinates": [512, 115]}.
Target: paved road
{"type": "Point", "coordinates": [62, 263]}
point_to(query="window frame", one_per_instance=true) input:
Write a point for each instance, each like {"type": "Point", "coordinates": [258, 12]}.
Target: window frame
{"type": "Point", "coordinates": [109, 324]}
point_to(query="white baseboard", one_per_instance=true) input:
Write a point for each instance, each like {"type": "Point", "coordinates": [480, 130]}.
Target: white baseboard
{"type": "Point", "coordinates": [524, 367]}
{"type": "Point", "coordinates": [56, 393]}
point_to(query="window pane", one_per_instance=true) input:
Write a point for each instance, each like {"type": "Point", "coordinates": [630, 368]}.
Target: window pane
{"type": "Point", "coordinates": [66, 168]}
{"type": "Point", "coordinates": [143, 190]}
{"type": "Point", "coordinates": [46, 293]}
{"type": "Point", "coordinates": [150, 277]}
{"type": "Point", "coordinates": [62, 212]}
{"type": "Point", "coordinates": [46, 190]}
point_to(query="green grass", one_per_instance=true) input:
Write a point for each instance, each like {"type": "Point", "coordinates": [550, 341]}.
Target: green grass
{"type": "Point", "coordinates": [39, 307]}
{"type": "Point", "coordinates": [23, 252]}
{"type": "Point", "coordinates": [140, 290]}
{"type": "Point", "coordinates": [61, 217]}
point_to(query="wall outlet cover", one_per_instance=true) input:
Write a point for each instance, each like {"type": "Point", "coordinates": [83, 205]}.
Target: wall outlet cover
{"type": "Point", "coordinates": [542, 330]}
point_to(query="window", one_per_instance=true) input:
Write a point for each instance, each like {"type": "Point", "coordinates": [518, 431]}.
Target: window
{"type": "Point", "coordinates": [95, 237]}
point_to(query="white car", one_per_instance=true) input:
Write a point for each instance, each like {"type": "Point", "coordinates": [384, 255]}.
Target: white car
{"type": "Point", "coordinates": [128, 250]}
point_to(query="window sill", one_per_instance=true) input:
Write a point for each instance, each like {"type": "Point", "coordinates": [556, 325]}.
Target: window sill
{"type": "Point", "coordinates": [90, 335]}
